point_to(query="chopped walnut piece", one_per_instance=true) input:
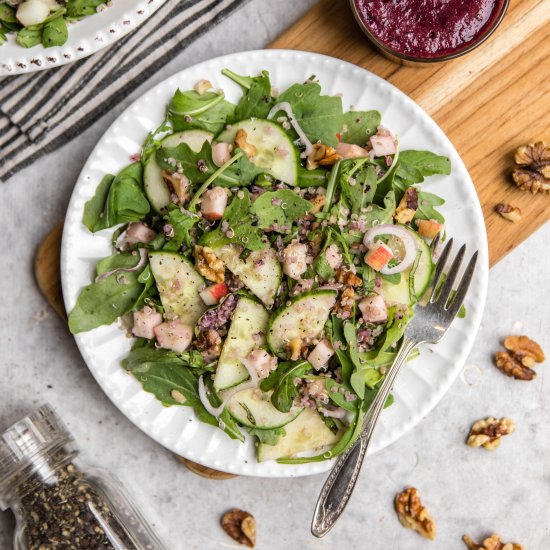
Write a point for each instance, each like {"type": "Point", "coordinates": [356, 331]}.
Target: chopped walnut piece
{"type": "Point", "coordinates": [178, 183]}
{"type": "Point", "coordinates": [344, 307]}
{"type": "Point", "coordinates": [322, 155]}
{"type": "Point", "coordinates": [240, 526]}
{"type": "Point", "coordinates": [295, 348]}
{"type": "Point", "coordinates": [407, 206]}
{"type": "Point", "coordinates": [209, 265]}
{"type": "Point", "coordinates": [202, 86]}
{"type": "Point", "coordinates": [487, 433]}
{"type": "Point", "coordinates": [491, 543]}
{"type": "Point", "coordinates": [413, 515]}
{"type": "Point", "coordinates": [348, 278]}
{"type": "Point", "coordinates": [209, 342]}
{"type": "Point", "coordinates": [512, 367]}
{"type": "Point", "coordinates": [317, 202]}
{"type": "Point", "coordinates": [509, 212]}
{"type": "Point", "coordinates": [533, 167]}
{"type": "Point", "coordinates": [241, 141]}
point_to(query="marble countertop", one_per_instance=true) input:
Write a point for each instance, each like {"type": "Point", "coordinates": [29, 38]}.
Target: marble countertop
{"type": "Point", "coordinates": [467, 490]}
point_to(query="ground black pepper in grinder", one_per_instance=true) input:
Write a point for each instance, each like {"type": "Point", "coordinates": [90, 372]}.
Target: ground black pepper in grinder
{"type": "Point", "coordinates": [58, 503]}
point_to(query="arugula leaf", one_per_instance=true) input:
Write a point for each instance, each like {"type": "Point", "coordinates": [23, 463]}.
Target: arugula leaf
{"type": "Point", "coordinates": [426, 207]}
{"type": "Point", "coordinates": [360, 125]}
{"type": "Point", "coordinates": [320, 117]}
{"type": "Point", "coordinates": [269, 436]}
{"type": "Point", "coordinates": [93, 209]}
{"type": "Point", "coordinates": [322, 267]}
{"type": "Point", "coordinates": [208, 111]}
{"type": "Point", "coordinates": [55, 32]}
{"type": "Point", "coordinates": [413, 166]}
{"type": "Point", "coordinates": [7, 13]}
{"type": "Point", "coordinates": [238, 218]}
{"type": "Point", "coordinates": [29, 37]}
{"type": "Point", "coordinates": [378, 215]}
{"type": "Point", "coordinates": [102, 303]}
{"type": "Point", "coordinates": [282, 380]}
{"type": "Point", "coordinates": [182, 224]}
{"type": "Point", "coordinates": [337, 396]}
{"type": "Point", "coordinates": [187, 161]}
{"type": "Point", "coordinates": [256, 100]}
{"type": "Point", "coordinates": [80, 8]}
{"type": "Point", "coordinates": [357, 183]}
{"type": "Point", "coordinates": [357, 381]}
{"type": "Point", "coordinates": [279, 209]}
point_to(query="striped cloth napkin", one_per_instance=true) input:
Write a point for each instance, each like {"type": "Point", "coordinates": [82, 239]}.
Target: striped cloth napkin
{"type": "Point", "coordinates": [80, 93]}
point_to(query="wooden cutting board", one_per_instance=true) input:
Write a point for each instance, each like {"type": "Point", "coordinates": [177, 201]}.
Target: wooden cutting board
{"type": "Point", "coordinates": [488, 103]}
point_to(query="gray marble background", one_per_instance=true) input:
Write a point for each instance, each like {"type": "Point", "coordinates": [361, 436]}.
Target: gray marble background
{"type": "Point", "coordinates": [467, 490]}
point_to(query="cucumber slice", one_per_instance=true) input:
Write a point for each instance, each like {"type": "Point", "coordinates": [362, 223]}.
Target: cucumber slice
{"type": "Point", "coordinates": [270, 140]}
{"type": "Point", "coordinates": [307, 432]}
{"type": "Point", "coordinates": [248, 319]}
{"type": "Point", "coordinates": [254, 409]}
{"type": "Point", "coordinates": [179, 285]}
{"type": "Point", "coordinates": [155, 187]}
{"type": "Point", "coordinates": [400, 292]}
{"type": "Point", "coordinates": [261, 272]}
{"type": "Point", "coordinates": [304, 318]}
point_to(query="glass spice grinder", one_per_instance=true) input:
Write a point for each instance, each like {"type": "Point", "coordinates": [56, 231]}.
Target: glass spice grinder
{"type": "Point", "coordinates": [58, 502]}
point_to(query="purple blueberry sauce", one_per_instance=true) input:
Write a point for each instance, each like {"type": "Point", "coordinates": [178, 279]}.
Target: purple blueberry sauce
{"type": "Point", "coordinates": [428, 28]}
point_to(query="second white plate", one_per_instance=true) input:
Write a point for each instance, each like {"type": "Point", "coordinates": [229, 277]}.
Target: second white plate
{"type": "Point", "coordinates": [422, 383]}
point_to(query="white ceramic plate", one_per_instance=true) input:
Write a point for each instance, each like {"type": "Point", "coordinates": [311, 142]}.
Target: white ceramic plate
{"type": "Point", "coordinates": [86, 37]}
{"type": "Point", "coordinates": [422, 383]}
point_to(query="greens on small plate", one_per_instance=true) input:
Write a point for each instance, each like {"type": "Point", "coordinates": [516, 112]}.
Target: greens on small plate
{"type": "Point", "coordinates": [256, 258]}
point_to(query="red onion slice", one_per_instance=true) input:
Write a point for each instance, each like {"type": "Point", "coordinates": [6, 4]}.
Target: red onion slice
{"type": "Point", "coordinates": [285, 106]}
{"type": "Point", "coordinates": [137, 267]}
{"type": "Point", "coordinates": [334, 413]}
{"type": "Point", "coordinates": [406, 237]}
{"type": "Point", "coordinates": [214, 411]}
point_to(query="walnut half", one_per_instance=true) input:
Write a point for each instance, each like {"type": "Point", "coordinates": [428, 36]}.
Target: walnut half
{"type": "Point", "coordinates": [487, 433]}
{"type": "Point", "coordinates": [208, 264]}
{"type": "Point", "coordinates": [491, 543]}
{"type": "Point", "coordinates": [413, 515]}
{"type": "Point", "coordinates": [532, 172]}
{"type": "Point", "coordinates": [509, 212]}
{"type": "Point", "coordinates": [240, 526]}
{"type": "Point", "coordinates": [522, 354]}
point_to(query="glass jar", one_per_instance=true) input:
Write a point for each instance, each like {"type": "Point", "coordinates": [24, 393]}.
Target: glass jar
{"type": "Point", "coordinates": [59, 502]}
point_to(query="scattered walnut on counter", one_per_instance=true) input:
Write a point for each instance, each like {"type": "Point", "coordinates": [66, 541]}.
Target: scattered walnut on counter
{"type": "Point", "coordinates": [209, 265]}
{"type": "Point", "coordinates": [491, 543]}
{"type": "Point", "coordinates": [522, 354]}
{"type": "Point", "coordinates": [488, 432]}
{"type": "Point", "coordinates": [509, 212]}
{"type": "Point", "coordinates": [240, 526]}
{"type": "Point", "coordinates": [322, 155]}
{"type": "Point", "coordinates": [413, 515]}
{"type": "Point", "coordinates": [533, 167]}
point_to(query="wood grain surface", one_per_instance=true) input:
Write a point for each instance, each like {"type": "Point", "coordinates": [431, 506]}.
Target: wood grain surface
{"type": "Point", "coordinates": [488, 102]}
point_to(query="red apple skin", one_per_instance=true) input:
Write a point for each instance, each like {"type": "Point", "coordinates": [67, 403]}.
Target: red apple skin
{"type": "Point", "coordinates": [378, 257]}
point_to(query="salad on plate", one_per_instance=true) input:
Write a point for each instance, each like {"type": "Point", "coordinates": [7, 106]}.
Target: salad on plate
{"type": "Point", "coordinates": [267, 257]}
{"type": "Point", "coordinates": [43, 21]}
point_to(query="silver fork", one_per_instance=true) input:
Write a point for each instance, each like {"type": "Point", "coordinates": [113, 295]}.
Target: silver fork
{"type": "Point", "coordinates": [432, 318]}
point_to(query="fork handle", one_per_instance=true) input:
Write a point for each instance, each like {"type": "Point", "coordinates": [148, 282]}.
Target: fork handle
{"type": "Point", "coordinates": [340, 483]}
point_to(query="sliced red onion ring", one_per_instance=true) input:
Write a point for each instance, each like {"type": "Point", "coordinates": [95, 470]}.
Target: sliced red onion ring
{"type": "Point", "coordinates": [251, 370]}
{"type": "Point", "coordinates": [407, 238]}
{"type": "Point", "coordinates": [285, 106]}
{"type": "Point", "coordinates": [214, 411]}
{"type": "Point", "coordinates": [334, 413]}
{"type": "Point", "coordinates": [137, 267]}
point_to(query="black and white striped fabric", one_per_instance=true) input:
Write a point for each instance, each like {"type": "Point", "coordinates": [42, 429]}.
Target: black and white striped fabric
{"type": "Point", "coordinates": [80, 93]}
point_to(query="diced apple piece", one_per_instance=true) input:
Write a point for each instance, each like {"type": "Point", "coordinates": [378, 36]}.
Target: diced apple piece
{"type": "Point", "coordinates": [383, 145]}
{"type": "Point", "coordinates": [138, 232]}
{"type": "Point", "coordinates": [213, 203]}
{"type": "Point", "coordinates": [374, 309]}
{"type": "Point", "coordinates": [145, 321]}
{"type": "Point", "coordinates": [379, 256]}
{"type": "Point", "coordinates": [429, 228]}
{"type": "Point", "coordinates": [213, 294]}
{"type": "Point", "coordinates": [221, 153]}
{"type": "Point", "coordinates": [295, 260]}
{"type": "Point", "coordinates": [351, 151]}
{"type": "Point", "coordinates": [321, 354]}
{"type": "Point", "coordinates": [174, 335]}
